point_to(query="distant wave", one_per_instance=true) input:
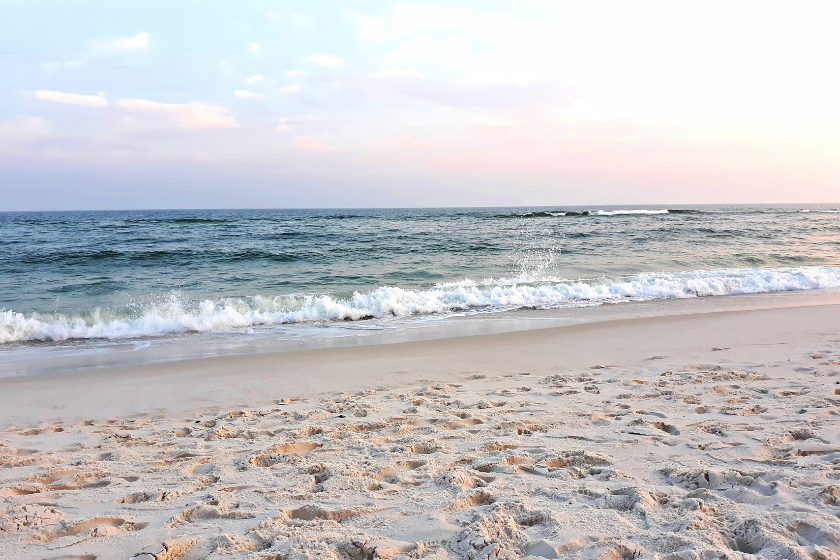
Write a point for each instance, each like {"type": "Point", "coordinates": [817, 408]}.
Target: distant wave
{"type": "Point", "coordinates": [576, 213]}
{"type": "Point", "coordinates": [830, 211]}
{"type": "Point", "coordinates": [542, 214]}
{"type": "Point", "coordinates": [178, 316]}
{"type": "Point", "coordinates": [629, 212]}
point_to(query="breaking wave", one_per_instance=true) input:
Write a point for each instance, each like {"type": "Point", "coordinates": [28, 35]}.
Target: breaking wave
{"type": "Point", "coordinates": [576, 213]}
{"type": "Point", "coordinates": [180, 316]}
{"type": "Point", "coordinates": [630, 212]}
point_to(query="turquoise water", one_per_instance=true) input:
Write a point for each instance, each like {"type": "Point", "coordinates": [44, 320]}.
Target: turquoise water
{"type": "Point", "coordinates": [125, 275]}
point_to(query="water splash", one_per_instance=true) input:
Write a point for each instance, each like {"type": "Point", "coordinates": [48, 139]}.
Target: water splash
{"type": "Point", "coordinates": [535, 254]}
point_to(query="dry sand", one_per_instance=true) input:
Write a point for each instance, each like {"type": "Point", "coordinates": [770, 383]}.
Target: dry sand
{"type": "Point", "coordinates": [681, 438]}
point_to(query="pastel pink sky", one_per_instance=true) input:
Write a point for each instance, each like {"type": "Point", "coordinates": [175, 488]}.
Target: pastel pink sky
{"type": "Point", "coordinates": [429, 104]}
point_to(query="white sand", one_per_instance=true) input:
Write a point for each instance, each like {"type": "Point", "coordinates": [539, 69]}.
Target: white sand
{"type": "Point", "coordinates": [700, 436]}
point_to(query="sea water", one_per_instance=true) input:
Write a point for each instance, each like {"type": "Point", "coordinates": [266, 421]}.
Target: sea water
{"type": "Point", "coordinates": [84, 280]}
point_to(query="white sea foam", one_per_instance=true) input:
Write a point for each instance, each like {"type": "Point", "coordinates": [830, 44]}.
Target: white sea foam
{"type": "Point", "coordinates": [179, 316]}
{"type": "Point", "coordinates": [626, 212]}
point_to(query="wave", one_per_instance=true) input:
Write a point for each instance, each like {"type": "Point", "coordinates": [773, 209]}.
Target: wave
{"type": "Point", "coordinates": [808, 211]}
{"type": "Point", "coordinates": [543, 214]}
{"type": "Point", "coordinates": [180, 316]}
{"type": "Point", "coordinates": [575, 213]}
{"type": "Point", "coordinates": [630, 212]}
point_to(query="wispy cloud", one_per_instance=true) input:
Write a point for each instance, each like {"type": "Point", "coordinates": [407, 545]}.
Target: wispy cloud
{"type": "Point", "coordinates": [296, 73]}
{"type": "Point", "coordinates": [254, 48]}
{"type": "Point", "coordinates": [247, 94]}
{"type": "Point", "coordinates": [322, 59]}
{"type": "Point", "coordinates": [255, 79]}
{"type": "Point", "coordinates": [194, 114]}
{"type": "Point", "coordinates": [290, 89]}
{"type": "Point", "coordinates": [72, 98]}
{"type": "Point", "coordinates": [24, 128]}
{"type": "Point", "coordinates": [139, 41]}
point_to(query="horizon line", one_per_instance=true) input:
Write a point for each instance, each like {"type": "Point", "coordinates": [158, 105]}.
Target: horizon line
{"type": "Point", "coordinates": [666, 206]}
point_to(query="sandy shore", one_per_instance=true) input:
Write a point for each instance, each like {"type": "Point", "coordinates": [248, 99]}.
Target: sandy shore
{"type": "Point", "coordinates": [683, 438]}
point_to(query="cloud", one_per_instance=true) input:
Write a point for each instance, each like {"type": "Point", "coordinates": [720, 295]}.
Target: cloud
{"type": "Point", "coordinates": [254, 48]}
{"type": "Point", "coordinates": [139, 41]}
{"type": "Point", "coordinates": [322, 59]}
{"type": "Point", "coordinates": [290, 89]}
{"type": "Point", "coordinates": [24, 128]}
{"type": "Point", "coordinates": [247, 94]}
{"type": "Point", "coordinates": [310, 144]}
{"type": "Point", "coordinates": [72, 98]}
{"type": "Point", "coordinates": [194, 114]}
{"type": "Point", "coordinates": [282, 126]}
{"type": "Point", "coordinates": [296, 73]}
{"type": "Point", "coordinates": [255, 79]}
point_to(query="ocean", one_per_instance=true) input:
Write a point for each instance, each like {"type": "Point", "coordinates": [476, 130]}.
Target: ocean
{"type": "Point", "coordinates": [85, 280]}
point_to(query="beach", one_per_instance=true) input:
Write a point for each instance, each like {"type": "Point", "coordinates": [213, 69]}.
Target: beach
{"type": "Point", "coordinates": [419, 281]}
{"type": "Point", "coordinates": [686, 436]}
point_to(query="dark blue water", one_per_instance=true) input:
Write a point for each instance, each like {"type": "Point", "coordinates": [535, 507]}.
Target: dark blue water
{"type": "Point", "coordinates": [153, 273]}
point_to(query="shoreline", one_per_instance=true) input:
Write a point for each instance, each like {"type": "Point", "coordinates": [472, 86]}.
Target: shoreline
{"type": "Point", "coordinates": [25, 360]}
{"type": "Point", "coordinates": [226, 380]}
{"type": "Point", "coordinates": [681, 437]}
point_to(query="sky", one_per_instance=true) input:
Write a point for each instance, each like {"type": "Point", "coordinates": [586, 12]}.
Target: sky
{"type": "Point", "coordinates": [187, 104]}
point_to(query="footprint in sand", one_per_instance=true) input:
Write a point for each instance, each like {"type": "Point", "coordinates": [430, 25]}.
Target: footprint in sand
{"type": "Point", "coordinates": [210, 510]}
{"type": "Point", "coordinates": [389, 474]}
{"type": "Point", "coordinates": [480, 498]}
{"type": "Point", "coordinates": [425, 447]}
{"type": "Point", "coordinates": [92, 528]}
{"type": "Point", "coordinates": [70, 480]}
{"type": "Point", "coordinates": [299, 447]}
{"type": "Point", "coordinates": [668, 428]}
{"type": "Point", "coordinates": [278, 453]}
{"type": "Point", "coordinates": [311, 512]}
